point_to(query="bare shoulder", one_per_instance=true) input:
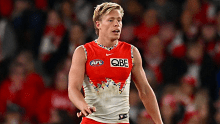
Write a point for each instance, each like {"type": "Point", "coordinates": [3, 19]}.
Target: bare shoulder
{"type": "Point", "coordinates": [79, 50]}
{"type": "Point", "coordinates": [79, 53]}
{"type": "Point", "coordinates": [137, 56]}
{"type": "Point", "coordinates": [135, 49]}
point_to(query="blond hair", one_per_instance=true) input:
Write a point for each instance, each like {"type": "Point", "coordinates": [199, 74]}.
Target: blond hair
{"type": "Point", "coordinates": [102, 9]}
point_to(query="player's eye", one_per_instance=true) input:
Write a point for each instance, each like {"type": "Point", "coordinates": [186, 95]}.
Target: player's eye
{"type": "Point", "coordinates": [110, 20]}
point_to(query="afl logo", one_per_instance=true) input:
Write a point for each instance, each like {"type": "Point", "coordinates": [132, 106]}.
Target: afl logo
{"type": "Point", "coordinates": [96, 62]}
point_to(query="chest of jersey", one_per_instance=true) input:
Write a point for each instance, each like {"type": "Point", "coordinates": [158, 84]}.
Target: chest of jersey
{"type": "Point", "coordinates": [103, 65]}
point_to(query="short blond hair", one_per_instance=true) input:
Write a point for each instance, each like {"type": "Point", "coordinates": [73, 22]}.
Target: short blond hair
{"type": "Point", "coordinates": [105, 8]}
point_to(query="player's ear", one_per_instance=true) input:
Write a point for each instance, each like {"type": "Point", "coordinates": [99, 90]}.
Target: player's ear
{"type": "Point", "coordinates": [98, 24]}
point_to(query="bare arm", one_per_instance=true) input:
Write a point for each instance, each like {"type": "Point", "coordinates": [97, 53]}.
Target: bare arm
{"type": "Point", "coordinates": [146, 93]}
{"type": "Point", "coordinates": [76, 77]}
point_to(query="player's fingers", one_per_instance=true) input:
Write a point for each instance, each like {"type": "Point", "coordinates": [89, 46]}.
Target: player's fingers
{"type": "Point", "coordinates": [93, 109]}
{"type": "Point", "coordinates": [88, 110]}
{"type": "Point", "coordinates": [79, 114]}
{"type": "Point", "coordinates": [84, 113]}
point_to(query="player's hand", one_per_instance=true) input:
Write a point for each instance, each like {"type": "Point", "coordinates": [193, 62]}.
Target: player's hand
{"type": "Point", "coordinates": [86, 111]}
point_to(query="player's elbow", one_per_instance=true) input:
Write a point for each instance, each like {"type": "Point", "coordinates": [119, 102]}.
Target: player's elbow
{"type": "Point", "coordinates": [142, 94]}
{"type": "Point", "coordinates": [69, 92]}
{"type": "Point", "coordinates": [145, 94]}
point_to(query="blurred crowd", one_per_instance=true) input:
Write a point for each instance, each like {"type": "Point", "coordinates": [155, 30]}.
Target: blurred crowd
{"type": "Point", "coordinates": [179, 41]}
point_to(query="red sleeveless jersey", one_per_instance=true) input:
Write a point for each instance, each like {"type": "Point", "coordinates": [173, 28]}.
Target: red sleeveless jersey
{"type": "Point", "coordinates": [103, 65]}
{"type": "Point", "coordinates": [107, 81]}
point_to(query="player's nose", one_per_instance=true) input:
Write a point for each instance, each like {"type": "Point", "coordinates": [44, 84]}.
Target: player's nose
{"type": "Point", "coordinates": [116, 23]}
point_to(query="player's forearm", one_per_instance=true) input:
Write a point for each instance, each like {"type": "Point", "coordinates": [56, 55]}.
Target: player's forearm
{"type": "Point", "coordinates": [76, 98]}
{"type": "Point", "coordinates": [151, 105]}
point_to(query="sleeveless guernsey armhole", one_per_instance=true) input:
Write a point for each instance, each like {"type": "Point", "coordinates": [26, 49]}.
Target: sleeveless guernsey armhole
{"type": "Point", "coordinates": [132, 55]}
{"type": "Point", "coordinates": [84, 51]}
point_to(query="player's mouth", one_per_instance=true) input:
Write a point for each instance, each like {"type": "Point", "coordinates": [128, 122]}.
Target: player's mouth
{"type": "Point", "coordinates": [116, 31]}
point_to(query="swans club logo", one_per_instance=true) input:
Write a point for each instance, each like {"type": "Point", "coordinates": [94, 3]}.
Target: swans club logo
{"type": "Point", "coordinates": [122, 116]}
{"type": "Point", "coordinates": [96, 62]}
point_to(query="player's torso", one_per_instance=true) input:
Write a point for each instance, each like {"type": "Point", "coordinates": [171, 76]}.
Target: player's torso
{"type": "Point", "coordinates": [107, 80]}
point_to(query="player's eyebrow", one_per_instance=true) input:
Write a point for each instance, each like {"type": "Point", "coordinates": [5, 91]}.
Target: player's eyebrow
{"type": "Point", "coordinates": [114, 18]}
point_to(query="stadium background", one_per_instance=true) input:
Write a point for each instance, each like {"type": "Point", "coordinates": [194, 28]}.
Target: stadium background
{"type": "Point", "coordinates": [179, 41]}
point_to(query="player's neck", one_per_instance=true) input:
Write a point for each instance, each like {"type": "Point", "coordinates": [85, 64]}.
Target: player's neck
{"type": "Point", "coordinates": [106, 42]}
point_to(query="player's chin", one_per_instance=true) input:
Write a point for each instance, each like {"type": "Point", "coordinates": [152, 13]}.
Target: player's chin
{"type": "Point", "coordinates": [115, 37]}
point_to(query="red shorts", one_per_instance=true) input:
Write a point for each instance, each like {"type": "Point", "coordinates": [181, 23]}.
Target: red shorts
{"type": "Point", "coordinates": [90, 121]}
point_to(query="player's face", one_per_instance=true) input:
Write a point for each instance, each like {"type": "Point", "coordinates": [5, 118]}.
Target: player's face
{"type": "Point", "coordinates": [110, 25]}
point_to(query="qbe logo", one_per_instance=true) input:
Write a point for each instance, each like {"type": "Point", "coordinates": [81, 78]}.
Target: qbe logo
{"type": "Point", "coordinates": [118, 62]}
{"type": "Point", "coordinates": [96, 62]}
